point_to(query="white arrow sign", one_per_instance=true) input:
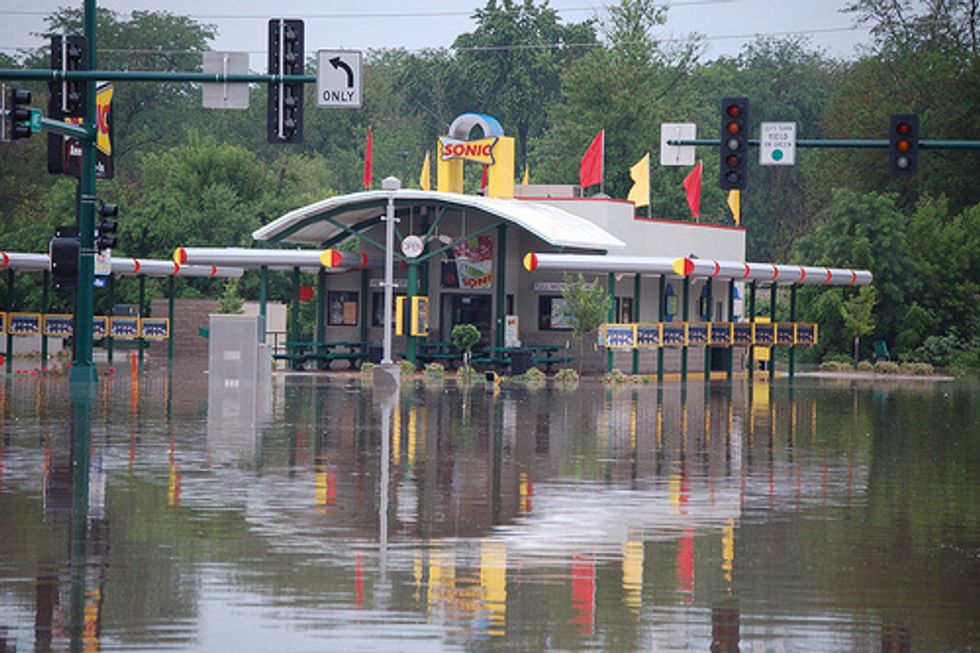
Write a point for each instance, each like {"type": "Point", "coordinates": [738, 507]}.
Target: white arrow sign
{"type": "Point", "coordinates": [339, 84]}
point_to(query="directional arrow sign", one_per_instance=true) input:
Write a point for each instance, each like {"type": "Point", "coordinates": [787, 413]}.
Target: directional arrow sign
{"type": "Point", "coordinates": [339, 83]}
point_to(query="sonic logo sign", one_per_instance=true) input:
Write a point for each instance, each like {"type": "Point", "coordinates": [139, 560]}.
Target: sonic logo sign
{"type": "Point", "coordinates": [480, 151]}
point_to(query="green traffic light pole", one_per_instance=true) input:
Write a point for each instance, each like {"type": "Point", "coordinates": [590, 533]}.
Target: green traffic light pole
{"type": "Point", "coordinates": [842, 142]}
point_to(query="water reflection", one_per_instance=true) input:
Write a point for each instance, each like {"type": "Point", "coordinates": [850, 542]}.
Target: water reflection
{"type": "Point", "coordinates": [721, 517]}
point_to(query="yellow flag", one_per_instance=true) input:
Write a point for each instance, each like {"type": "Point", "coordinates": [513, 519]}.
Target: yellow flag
{"type": "Point", "coordinates": [425, 179]}
{"type": "Point", "coordinates": [734, 198]}
{"type": "Point", "coordinates": [640, 174]}
{"type": "Point", "coordinates": [527, 176]}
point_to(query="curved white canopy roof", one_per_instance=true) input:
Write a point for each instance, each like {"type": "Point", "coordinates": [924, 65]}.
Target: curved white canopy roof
{"type": "Point", "coordinates": [317, 223]}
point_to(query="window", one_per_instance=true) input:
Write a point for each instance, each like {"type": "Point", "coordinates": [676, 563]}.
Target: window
{"type": "Point", "coordinates": [378, 307]}
{"type": "Point", "coordinates": [341, 308]}
{"type": "Point", "coordinates": [552, 315]}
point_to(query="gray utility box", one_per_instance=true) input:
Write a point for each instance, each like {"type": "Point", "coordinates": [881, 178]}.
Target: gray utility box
{"type": "Point", "coordinates": [236, 350]}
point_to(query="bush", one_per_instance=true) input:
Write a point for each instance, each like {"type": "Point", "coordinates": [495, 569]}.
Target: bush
{"type": "Point", "coordinates": [865, 366]}
{"type": "Point", "coordinates": [468, 376]}
{"type": "Point", "coordinates": [367, 368]}
{"type": "Point", "coordinates": [407, 367]}
{"type": "Point", "coordinates": [836, 366]}
{"type": "Point", "coordinates": [434, 370]}
{"type": "Point", "coordinates": [615, 377]}
{"type": "Point", "coordinates": [886, 367]}
{"type": "Point", "coordinates": [566, 376]}
{"type": "Point", "coordinates": [917, 369]}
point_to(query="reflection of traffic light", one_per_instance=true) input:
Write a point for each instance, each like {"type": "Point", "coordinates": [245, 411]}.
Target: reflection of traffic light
{"type": "Point", "coordinates": [734, 143]}
{"type": "Point", "coordinates": [903, 144]}
{"type": "Point", "coordinates": [68, 97]}
{"type": "Point", "coordinates": [107, 226]}
{"type": "Point", "coordinates": [63, 250]}
{"type": "Point", "coordinates": [16, 115]}
{"type": "Point", "coordinates": [284, 113]}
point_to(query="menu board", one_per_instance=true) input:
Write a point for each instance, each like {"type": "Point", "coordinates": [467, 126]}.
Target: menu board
{"type": "Point", "coordinates": [742, 333]}
{"type": "Point", "coordinates": [100, 326]}
{"type": "Point", "coordinates": [620, 336]}
{"type": "Point", "coordinates": [59, 325]}
{"type": "Point", "coordinates": [763, 333]}
{"type": "Point", "coordinates": [155, 328]}
{"type": "Point", "coordinates": [720, 333]}
{"type": "Point", "coordinates": [697, 333]}
{"type": "Point", "coordinates": [24, 324]}
{"type": "Point", "coordinates": [673, 334]}
{"type": "Point", "coordinates": [806, 334]}
{"type": "Point", "coordinates": [647, 335]}
{"type": "Point", "coordinates": [125, 327]}
{"type": "Point", "coordinates": [784, 334]}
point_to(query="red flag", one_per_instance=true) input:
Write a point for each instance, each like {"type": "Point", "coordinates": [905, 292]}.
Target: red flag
{"type": "Point", "coordinates": [590, 172]}
{"type": "Point", "coordinates": [369, 159]}
{"type": "Point", "coordinates": [305, 292]}
{"type": "Point", "coordinates": [692, 185]}
{"type": "Point", "coordinates": [484, 182]}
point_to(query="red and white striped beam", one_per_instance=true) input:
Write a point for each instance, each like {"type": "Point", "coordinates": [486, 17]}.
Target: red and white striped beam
{"type": "Point", "coordinates": [770, 272]}
{"type": "Point", "coordinates": [121, 266]}
{"type": "Point", "coordinates": [331, 259]}
{"type": "Point", "coordinates": [598, 263]}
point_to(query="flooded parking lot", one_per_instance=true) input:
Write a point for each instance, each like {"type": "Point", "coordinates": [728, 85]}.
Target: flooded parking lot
{"type": "Point", "coordinates": [818, 515]}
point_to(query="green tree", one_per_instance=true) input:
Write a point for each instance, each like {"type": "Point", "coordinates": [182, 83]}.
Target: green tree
{"type": "Point", "coordinates": [858, 314]}
{"type": "Point", "coordinates": [464, 336]}
{"type": "Point", "coordinates": [588, 304]}
{"type": "Point", "coordinates": [230, 301]}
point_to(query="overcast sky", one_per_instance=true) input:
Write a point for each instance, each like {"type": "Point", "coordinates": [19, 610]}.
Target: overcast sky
{"type": "Point", "coordinates": [413, 24]}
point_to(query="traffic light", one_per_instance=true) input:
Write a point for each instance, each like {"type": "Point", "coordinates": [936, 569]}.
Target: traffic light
{"type": "Point", "coordinates": [106, 230]}
{"type": "Point", "coordinates": [63, 250]}
{"type": "Point", "coordinates": [903, 144]}
{"type": "Point", "coordinates": [68, 98]}
{"type": "Point", "coordinates": [734, 143]}
{"type": "Point", "coordinates": [284, 115]}
{"type": "Point", "coordinates": [16, 116]}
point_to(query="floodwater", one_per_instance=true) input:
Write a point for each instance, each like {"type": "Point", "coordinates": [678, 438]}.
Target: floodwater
{"type": "Point", "coordinates": [822, 515]}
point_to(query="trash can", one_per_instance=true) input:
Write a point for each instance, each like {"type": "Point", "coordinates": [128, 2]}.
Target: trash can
{"type": "Point", "coordinates": [375, 353]}
{"type": "Point", "coordinates": [520, 361]}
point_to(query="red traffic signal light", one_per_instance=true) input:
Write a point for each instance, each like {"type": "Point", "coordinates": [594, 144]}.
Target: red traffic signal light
{"type": "Point", "coordinates": [734, 143]}
{"type": "Point", "coordinates": [903, 144]}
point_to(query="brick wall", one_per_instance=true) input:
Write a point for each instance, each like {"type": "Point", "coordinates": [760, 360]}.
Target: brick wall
{"type": "Point", "coordinates": [189, 316]}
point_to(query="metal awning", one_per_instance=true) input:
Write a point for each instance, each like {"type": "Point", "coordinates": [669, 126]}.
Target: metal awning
{"type": "Point", "coordinates": [324, 222]}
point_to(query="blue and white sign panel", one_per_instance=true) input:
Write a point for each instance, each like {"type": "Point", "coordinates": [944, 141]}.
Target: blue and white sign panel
{"type": "Point", "coordinates": [777, 143]}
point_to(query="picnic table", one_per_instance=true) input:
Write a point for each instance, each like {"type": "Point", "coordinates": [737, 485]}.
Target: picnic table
{"type": "Point", "coordinates": [549, 355]}
{"type": "Point", "coordinates": [437, 351]}
{"type": "Point", "coordinates": [503, 357]}
{"type": "Point", "coordinates": [299, 352]}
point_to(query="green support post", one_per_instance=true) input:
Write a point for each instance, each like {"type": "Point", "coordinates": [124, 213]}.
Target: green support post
{"type": "Point", "coordinates": [751, 319]}
{"type": "Point", "coordinates": [792, 318]}
{"type": "Point", "coordinates": [411, 342]}
{"type": "Point", "coordinates": [321, 312]}
{"type": "Point", "coordinates": [709, 313]}
{"type": "Point", "coordinates": [10, 335]}
{"type": "Point", "coordinates": [83, 368]}
{"type": "Point", "coordinates": [294, 327]}
{"type": "Point", "coordinates": [611, 316]}
{"type": "Point", "coordinates": [142, 312]}
{"type": "Point", "coordinates": [501, 271]}
{"type": "Point", "coordinates": [772, 317]}
{"type": "Point", "coordinates": [170, 316]}
{"type": "Point", "coordinates": [684, 318]}
{"type": "Point", "coordinates": [731, 318]}
{"type": "Point", "coordinates": [44, 310]}
{"type": "Point", "coordinates": [661, 311]}
{"type": "Point", "coordinates": [365, 305]}
{"type": "Point", "coordinates": [636, 318]}
{"type": "Point", "coordinates": [109, 340]}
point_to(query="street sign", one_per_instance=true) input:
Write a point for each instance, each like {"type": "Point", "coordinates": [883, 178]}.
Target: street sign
{"type": "Point", "coordinates": [36, 116]}
{"type": "Point", "coordinates": [777, 143]}
{"type": "Point", "coordinates": [339, 84]}
{"type": "Point", "coordinates": [103, 264]}
{"type": "Point", "coordinates": [225, 95]}
{"type": "Point", "coordinates": [677, 155]}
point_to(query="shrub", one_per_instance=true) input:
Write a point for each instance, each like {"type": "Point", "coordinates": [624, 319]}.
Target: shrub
{"type": "Point", "coordinates": [367, 368]}
{"type": "Point", "coordinates": [917, 369]}
{"type": "Point", "coordinates": [407, 367]}
{"type": "Point", "coordinates": [865, 366]}
{"type": "Point", "coordinates": [836, 366]}
{"type": "Point", "coordinates": [566, 376]}
{"type": "Point", "coordinates": [615, 377]}
{"type": "Point", "coordinates": [434, 370]}
{"type": "Point", "coordinates": [468, 376]}
{"type": "Point", "coordinates": [886, 367]}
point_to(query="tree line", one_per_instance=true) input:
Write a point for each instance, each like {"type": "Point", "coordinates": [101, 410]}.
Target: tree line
{"type": "Point", "coordinates": [190, 176]}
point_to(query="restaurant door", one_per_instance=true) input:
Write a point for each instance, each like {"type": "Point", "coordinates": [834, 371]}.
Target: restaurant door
{"type": "Point", "coordinates": [466, 309]}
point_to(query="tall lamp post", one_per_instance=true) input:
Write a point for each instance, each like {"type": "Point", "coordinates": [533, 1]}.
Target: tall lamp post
{"type": "Point", "coordinates": [387, 375]}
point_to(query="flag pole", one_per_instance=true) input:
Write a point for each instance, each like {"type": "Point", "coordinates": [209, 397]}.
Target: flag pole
{"type": "Point", "coordinates": [649, 197]}
{"type": "Point", "coordinates": [602, 171]}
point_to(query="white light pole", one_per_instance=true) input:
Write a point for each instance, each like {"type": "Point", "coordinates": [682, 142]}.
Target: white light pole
{"type": "Point", "coordinates": [392, 185]}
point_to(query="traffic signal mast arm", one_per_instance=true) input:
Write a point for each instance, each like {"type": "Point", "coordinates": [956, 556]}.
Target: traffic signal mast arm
{"type": "Point", "coordinates": [152, 76]}
{"type": "Point", "coordinates": [842, 142]}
